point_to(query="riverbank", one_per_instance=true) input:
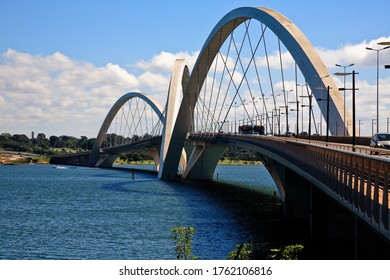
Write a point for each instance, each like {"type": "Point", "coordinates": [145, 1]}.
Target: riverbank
{"type": "Point", "coordinates": [15, 158]}
{"type": "Point", "coordinates": [221, 162]}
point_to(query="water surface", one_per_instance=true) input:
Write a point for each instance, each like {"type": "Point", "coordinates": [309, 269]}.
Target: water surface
{"type": "Point", "coordinates": [89, 213]}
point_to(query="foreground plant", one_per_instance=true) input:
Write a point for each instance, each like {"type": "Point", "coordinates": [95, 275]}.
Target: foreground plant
{"type": "Point", "coordinates": [182, 237]}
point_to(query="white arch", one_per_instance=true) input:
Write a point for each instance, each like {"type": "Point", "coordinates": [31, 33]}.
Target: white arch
{"type": "Point", "coordinates": [297, 44]}
{"type": "Point", "coordinates": [179, 80]}
{"type": "Point", "coordinates": [111, 115]}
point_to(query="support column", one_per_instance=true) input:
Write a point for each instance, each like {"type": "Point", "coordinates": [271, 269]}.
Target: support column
{"type": "Point", "coordinates": [203, 161]}
{"type": "Point", "coordinates": [156, 157]}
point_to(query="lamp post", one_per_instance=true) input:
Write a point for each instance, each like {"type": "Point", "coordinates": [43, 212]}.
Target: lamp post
{"type": "Point", "coordinates": [235, 117]}
{"type": "Point", "coordinates": [302, 103]}
{"type": "Point", "coordinates": [353, 105]}
{"type": "Point", "coordinates": [377, 79]}
{"type": "Point", "coordinates": [321, 88]}
{"type": "Point", "coordinates": [243, 112]}
{"type": "Point", "coordinates": [327, 113]}
{"type": "Point", "coordinates": [264, 119]}
{"type": "Point", "coordinates": [310, 111]}
{"type": "Point", "coordinates": [253, 101]}
{"type": "Point", "coordinates": [344, 66]}
{"type": "Point", "coordinates": [286, 106]}
{"type": "Point", "coordinates": [278, 119]}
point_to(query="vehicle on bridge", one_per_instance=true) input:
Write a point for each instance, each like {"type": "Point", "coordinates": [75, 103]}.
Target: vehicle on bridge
{"type": "Point", "coordinates": [249, 129]}
{"type": "Point", "coordinates": [380, 140]}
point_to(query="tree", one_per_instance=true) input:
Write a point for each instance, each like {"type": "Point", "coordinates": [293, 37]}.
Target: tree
{"type": "Point", "coordinates": [134, 157]}
{"type": "Point", "coordinates": [182, 237]}
{"type": "Point", "coordinates": [90, 143]}
{"type": "Point", "coordinates": [289, 252]}
{"type": "Point", "coordinates": [123, 157]}
{"type": "Point", "coordinates": [6, 135]}
{"type": "Point", "coordinates": [82, 143]}
{"type": "Point", "coordinates": [21, 138]}
{"type": "Point", "coordinates": [54, 141]}
{"type": "Point", "coordinates": [241, 252]}
{"type": "Point", "coordinates": [41, 136]}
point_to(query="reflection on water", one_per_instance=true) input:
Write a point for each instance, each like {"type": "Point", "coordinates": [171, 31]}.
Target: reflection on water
{"type": "Point", "coordinates": [88, 213]}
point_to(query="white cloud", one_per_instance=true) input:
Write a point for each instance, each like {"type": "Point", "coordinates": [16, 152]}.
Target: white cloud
{"type": "Point", "coordinates": [163, 62]}
{"type": "Point", "coordinates": [56, 94]}
{"type": "Point", "coordinates": [350, 53]}
{"type": "Point", "coordinates": [154, 81]}
{"type": "Point", "coordinates": [48, 92]}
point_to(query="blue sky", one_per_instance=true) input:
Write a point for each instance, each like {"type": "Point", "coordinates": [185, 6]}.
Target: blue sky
{"type": "Point", "coordinates": [131, 41]}
{"type": "Point", "coordinates": [124, 31]}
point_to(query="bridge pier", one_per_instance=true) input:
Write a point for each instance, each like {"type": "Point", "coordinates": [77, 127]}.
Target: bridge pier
{"type": "Point", "coordinates": [203, 161]}
{"type": "Point", "coordinates": [156, 157]}
{"type": "Point", "coordinates": [106, 161]}
{"type": "Point", "coordinates": [328, 229]}
{"type": "Point", "coordinates": [338, 233]}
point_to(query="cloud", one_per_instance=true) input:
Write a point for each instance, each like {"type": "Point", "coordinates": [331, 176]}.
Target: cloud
{"type": "Point", "coordinates": [352, 53]}
{"type": "Point", "coordinates": [56, 94]}
{"type": "Point", "coordinates": [155, 82]}
{"type": "Point", "coordinates": [163, 62]}
{"type": "Point", "coordinates": [50, 92]}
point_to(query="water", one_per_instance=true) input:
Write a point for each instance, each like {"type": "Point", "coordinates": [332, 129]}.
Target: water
{"type": "Point", "coordinates": [87, 213]}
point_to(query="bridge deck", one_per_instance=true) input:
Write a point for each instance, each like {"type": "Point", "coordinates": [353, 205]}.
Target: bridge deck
{"type": "Point", "coordinates": [351, 175]}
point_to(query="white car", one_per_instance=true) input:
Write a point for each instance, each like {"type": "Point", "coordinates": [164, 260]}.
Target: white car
{"type": "Point", "coordinates": [380, 140]}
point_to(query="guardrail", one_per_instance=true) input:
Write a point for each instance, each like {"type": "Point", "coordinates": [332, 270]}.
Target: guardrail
{"type": "Point", "coordinates": [347, 147]}
{"type": "Point", "coordinates": [357, 179]}
{"type": "Point", "coordinates": [360, 181]}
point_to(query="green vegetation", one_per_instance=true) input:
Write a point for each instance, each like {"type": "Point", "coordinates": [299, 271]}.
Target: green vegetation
{"type": "Point", "coordinates": [53, 145]}
{"type": "Point", "coordinates": [182, 237]}
{"type": "Point", "coordinates": [42, 145]}
{"type": "Point", "coordinates": [234, 155]}
{"type": "Point", "coordinates": [241, 252]}
{"type": "Point", "coordinates": [289, 252]}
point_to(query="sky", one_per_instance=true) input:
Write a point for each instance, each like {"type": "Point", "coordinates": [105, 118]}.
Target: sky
{"type": "Point", "coordinates": [63, 64]}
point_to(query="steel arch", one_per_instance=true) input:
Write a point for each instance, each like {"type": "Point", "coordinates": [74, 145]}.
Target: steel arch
{"type": "Point", "coordinates": [179, 80]}
{"type": "Point", "coordinates": [295, 41]}
{"type": "Point", "coordinates": [111, 115]}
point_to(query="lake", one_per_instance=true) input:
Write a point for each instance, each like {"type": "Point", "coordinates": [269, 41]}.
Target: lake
{"type": "Point", "coordinates": [92, 213]}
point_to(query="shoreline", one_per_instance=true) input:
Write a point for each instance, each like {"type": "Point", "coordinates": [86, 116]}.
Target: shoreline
{"type": "Point", "coordinates": [16, 158]}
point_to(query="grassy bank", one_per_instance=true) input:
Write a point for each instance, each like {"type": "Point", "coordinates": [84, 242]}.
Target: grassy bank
{"type": "Point", "coordinates": [15, 159]}
{"type": "Point", "coordinates": [221, 162]}
{"type": "Point", "coordinates": [239, 162]}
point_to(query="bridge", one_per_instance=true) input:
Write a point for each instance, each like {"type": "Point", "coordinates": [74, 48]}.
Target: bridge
{"type": "Point", "coordinates": [256, 69]}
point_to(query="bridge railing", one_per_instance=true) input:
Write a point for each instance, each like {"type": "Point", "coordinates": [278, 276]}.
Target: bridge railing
{"type": "Point", "coordinates": [348, 147]}
{"type": "Point", "coordinates": [361, 182]}
{"type": "Point", "coordinates": [358, 181]}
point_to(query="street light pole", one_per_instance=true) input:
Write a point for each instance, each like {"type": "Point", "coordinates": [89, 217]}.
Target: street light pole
{"type": "Point", "coordinates": [321, 88]}
{"type": "Point", "coordinates": [344, 66]}
{"type": "Point", "coordinates": [235, 117]}
{"type": "Point", "coordinates": [353, 106]}
{"type": "Point", "coordinates": [301, 104]}
{"type": "Point", "coordinates": [286, 105]}
{"type": "Point", "coordinates": [353, 112]}
{"type": "Point", "coordinates": [377, 83]}
{"type": "Point", "coordinates": [327, 115]}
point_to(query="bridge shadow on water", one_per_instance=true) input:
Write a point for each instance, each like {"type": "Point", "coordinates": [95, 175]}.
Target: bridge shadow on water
{"type": "Point", "coordinates": [261, 216]}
